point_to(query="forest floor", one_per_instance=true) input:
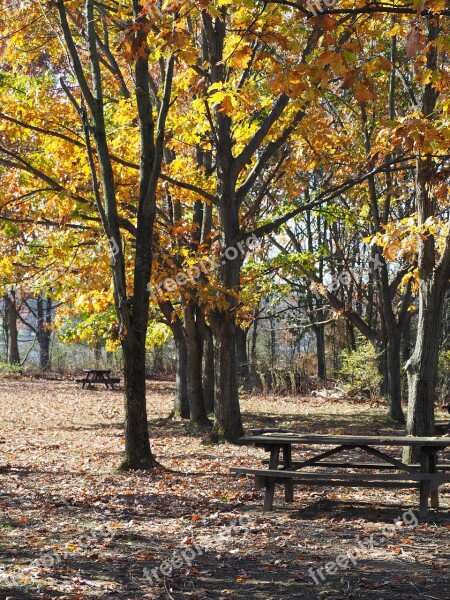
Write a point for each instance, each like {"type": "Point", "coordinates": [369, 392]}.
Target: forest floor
{"type": "Point", "coordinates": [73, 528]}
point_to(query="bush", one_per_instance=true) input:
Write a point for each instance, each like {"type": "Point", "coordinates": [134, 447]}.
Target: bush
{"type": "Point", "coordinates": [359, 372]}
{"type": "Point", "coordinates": [7, 370]}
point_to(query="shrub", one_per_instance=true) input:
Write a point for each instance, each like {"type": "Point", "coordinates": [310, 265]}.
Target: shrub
{"type": "Point", "coordinates": [7, 370]}
{"type": "Point", "coordinates": [359, 371]}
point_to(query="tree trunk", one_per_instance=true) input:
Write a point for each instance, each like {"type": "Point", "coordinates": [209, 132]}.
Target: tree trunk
{"type": "Point", "coordinates": [5, 326]}
{"type": "Point", "coordinates": [198, 416]}
{"type": "Point", "coordinates": [393, 368]}
{"type": "Point", "coordinates": [351, 338]}
{"type": "Point", "coordinates": [13, 335]}
{"type": "Point", "coordinates": [272, 343]}
{"type": "Point", "coordinates": [381, 350]}
{"type": "Point", "coordinates": [137, 444]}
{"type": "Point", "coordinates": [228, 423]}
{"type": "Point", "coordinates": [255, 380]}
{"type": "Point", "coordinates": [208, 369]}
{"type": "Point", "coordinates": [433, 279]}
{"type": "Point", "coordinates": [131, 301]}
{"type": "Point", "coordinates": [319, 330]}
{"type": "Point", "coordinates": [391, 328]}
{"type": "Point", "coordinates": [181, 403]}
{"type": "Point", "coordinates": [241, 352]}
{"type": "Point", "coordinates": [43, 333]}
{"type": "Point", "coordinates": [98, 353]}
{"type": "Point", "coordinates": [422, 367]}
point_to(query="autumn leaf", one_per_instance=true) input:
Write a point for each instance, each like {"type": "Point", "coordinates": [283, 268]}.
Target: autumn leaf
{"type": "Point", "coordinates": [227, 105]}
{"type": "Point", "coordinates": [363, 93]}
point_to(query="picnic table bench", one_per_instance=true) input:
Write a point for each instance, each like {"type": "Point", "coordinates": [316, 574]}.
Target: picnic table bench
{"type": "Point", "coordinates": [94, 376]}
{"type": "Point", "coordinates": [285, 471]}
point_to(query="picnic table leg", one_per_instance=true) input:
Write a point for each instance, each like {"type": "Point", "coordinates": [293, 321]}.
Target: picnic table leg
{"type": "Point", "coordinates": [287, 464]}
{"type": "Point", "coordinates": [435, 487]}
{"type": "Point", "coordinates": [424, 485]}
{"type": "Point", "coordinates": [87, 378]}
{"type": "Point", "coordinates": [270, 481]}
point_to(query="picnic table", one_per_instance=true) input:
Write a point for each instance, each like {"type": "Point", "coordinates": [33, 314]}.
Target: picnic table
{"type": "Point", "coordinates": [427, 475]}
{"type": "Point", "coordinates": [94, 376]}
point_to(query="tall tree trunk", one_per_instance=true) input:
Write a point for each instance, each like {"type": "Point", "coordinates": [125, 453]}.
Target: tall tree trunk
{"type": "Point", "coordinates": [208, 368]}
{"type": "Point", "coordinates": [391, 328]}
{"type": "Point", "coordinates": [433, 281]}
{"type": "Point", "coordinates": [137, 443]}
{"type": "Point", "coordinates": [43, 331]}
{"type": "Point", "coordinates": [351, 338]}
{"type": "Point", "coordinates": [198, 416]}
{"type": "Point", "coordinates": [181, 402]}
{"type": "Point", "coordinates": [422, 367]}
{"type": "Point", "coordinates": [393, 368]}
{"type": "Point", "coordinates": [98, 353]}
{"type": "Point", "coordinates": [272, 343]}
{"type": "Point", "coordinates": [13, 334]}
{"type": "Point", "coordinates": [255, 380]}
{"type": "Point", "coordinates": [228, 423]}
{"type": "Point", "coordinates": [241, 352]}
{"type": "Point", "coordinates": [5, 326]}
{"type": "Point", "coordinates": [319, 330]}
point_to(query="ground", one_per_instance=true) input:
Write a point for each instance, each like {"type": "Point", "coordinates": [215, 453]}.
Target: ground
{"type": "Point", "coordinates": [71, 527]}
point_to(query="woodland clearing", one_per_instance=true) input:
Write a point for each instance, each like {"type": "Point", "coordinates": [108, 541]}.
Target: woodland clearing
{"type": "Point", "coordinates": [59, 487]}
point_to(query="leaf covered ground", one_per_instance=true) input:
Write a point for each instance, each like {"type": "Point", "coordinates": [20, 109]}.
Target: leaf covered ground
{"type": "Point", "coordinates": [71, 527]}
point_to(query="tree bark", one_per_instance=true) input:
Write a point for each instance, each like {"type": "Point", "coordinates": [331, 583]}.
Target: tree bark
{"type": "Point", "coordinates": [228, 423]}
{"type": "Point", "coordinates": [319, 331]}
{"type": "Point", "coordinates": [393, 368]}
{"type": "Point", "coordinates": [208, 369]}
{"type": "Point", "coordinates": [137, 443]}
{"type": "Point", "coordinates": [13, 334]}
{"type": "Point", "coordinates": [433, 281]}
{"type": "Point", "coordinates": [241, 352]}
{"type": "Point", "coordinates": [198, 416]}
{"type": "Point", "coordinates": [43, 332]}
{"type": "Point", "coordinates": [181, 402]}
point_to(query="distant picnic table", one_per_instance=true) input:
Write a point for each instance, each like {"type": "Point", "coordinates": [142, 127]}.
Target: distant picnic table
{"type": "Point", "coordinates": [94, 376]}
{"type": "Point", "coordinates": [424, 475]}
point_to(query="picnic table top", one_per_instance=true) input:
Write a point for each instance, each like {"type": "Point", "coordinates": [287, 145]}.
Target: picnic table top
{"type": "Point", "coordinates": [96, 370]}
{"type": "Point", "coordinates": [344, 440]}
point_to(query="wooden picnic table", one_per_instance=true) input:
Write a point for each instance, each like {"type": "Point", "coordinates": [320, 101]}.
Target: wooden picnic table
{"type": "Point", "coordinates": [94, 376]}
{"type": "Point", "coordinates": [424, 475]}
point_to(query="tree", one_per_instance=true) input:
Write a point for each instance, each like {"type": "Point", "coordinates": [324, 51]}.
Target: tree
{"type": "Point", "coordinates": [92, 75]}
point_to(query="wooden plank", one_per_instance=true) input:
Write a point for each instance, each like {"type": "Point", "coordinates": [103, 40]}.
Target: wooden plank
{"type": "Point", "coordinates": [270, 481]}
{"type": "Point", "coordinates": [424, 484]}
{"type": "Point", "coordinates": [359, 465]}
{"type": "Point", "coordinates": [434, 491]}
{"type": "Point", "coordinates": [389, 459]}
{"type": "Point", "coordinates": [325, 475]}
{"type": "Point", "coordinates": [287, 464]}
{"type": "Point", "coordinates": [345, 440]}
